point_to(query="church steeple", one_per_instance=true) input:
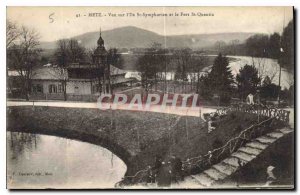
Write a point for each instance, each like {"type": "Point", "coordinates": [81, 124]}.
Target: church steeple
{"type": "Point", "coordinates": [100, 52]}
{"type": "Point", "coordinates": [100, 41]}
{"type": "Point", "coordinates": [100, 60]}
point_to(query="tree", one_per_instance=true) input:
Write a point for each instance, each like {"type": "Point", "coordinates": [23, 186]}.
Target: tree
{"type": "Point", "coordinates": [62, 58]}
{"type": "Point", "coordinates": [24, 56]}
{"type": "Point", "coordinates": [67, 51]}
{"type": "Point", "coordinates": [266, 81]}
{"type": "Point", "coordinates": [257, 45]}
{"type": "Point", "coordinates": [274, 46]}
{"type": "Point", "coordinates": [260, 47]}
{"type": "Point", "coordinates": [62, 53]}
{"type": "Point", "coordinates": [183, 59]}
{"type": "Point", "coordinates": [204, 87]}
{"type": "Point", "coordinates": [233, 45]}
{"type": "Point", "coordinates": [197, 64]}
{"type": "Point", "coordinates": [12, 33]}
{"type": "Point", "coordinates": [247, 81]}
{"type": "Point", "coordinates": [160, 63]}
{"type": "Point", "coordinates": [151, 63]}
{"type": "Point", "coordinates": [145, 67]}
{"type": "Point", "coordinates": [269, 91]}
{"type": "Point", "coordinates": [76, 51]}
{"type": "Point", "coordinates": [221, 79]}
{"type": "Point", "coordinates": [287, 44]}
{"type": "Point", "coordinates": [113, 58]}
{"type": "Point", "coordinates": [220, 45]}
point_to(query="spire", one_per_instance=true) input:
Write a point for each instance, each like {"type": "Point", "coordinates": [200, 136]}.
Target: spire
{"type": "Point", "coordinates": [100, 41]}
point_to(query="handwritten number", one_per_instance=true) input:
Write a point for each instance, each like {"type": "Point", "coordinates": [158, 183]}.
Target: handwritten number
{"type": "Point", "coordinates": [50, 17]}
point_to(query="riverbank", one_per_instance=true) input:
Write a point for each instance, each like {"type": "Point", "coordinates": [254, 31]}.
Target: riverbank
{"type": "Point", "coordinates": [136, 137]}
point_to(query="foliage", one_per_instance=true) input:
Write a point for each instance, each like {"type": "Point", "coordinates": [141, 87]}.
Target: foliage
{"type": "Point", "coordinates": [269, 91]}
{"type": "Point", "coordinates": [183, 61]}
{"type": "Point", "coordinates": [153, 61]}
{"type": "Point", "coordinates": [219, 81]}
{"type": "Point", "coordinates": [197, 64]}
{"type": "Point", "coordinates": [247, 80]}
{"type": "Point", "coordinates": [114, 58]}
{"type": "Point", "coordinates": [68, 51]}
{"type": "Point", "coordinates": [204, 87]}
{"type": "Point", "coordinates": [12, 33]}
{"type": "Point", "coordinates": [24, 55]}
{"type": "Point", "coordinates": [257, 45]}
{"type": "Point", "coordinates": [287, 42]}
{"type": "Point", "coordinates": [276, 46]}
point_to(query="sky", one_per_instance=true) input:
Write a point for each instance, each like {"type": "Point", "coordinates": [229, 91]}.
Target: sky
{"type": "Point", "coordinates": [54, 23]}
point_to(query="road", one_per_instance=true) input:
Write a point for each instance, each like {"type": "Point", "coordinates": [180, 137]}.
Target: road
{"type": "Point", "coordinates": [182, 111]}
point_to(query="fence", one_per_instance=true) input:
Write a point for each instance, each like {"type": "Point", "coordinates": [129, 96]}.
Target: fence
{"type": "Point", "coordinates": [261, 110]}
{"type": "Point", "coordinates": [200, 163]}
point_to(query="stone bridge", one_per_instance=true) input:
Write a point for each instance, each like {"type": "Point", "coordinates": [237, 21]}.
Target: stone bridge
{"type": "Point", "coordinates": [123, 132]}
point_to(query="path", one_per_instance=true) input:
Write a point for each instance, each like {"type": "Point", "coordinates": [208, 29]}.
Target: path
{"type": "Point", "coordinates": [182, 111]}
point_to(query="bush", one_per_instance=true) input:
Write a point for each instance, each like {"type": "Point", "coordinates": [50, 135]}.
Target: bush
{"type": "Point", "coordinates": [217, 144]}
{"type": "Point", "coordinates": [232, 115]}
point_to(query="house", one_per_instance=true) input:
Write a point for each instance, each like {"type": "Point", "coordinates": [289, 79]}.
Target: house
{"type": "Point", "coordinates": [78, 81]}
{"type": "Point", "coordinates": [47, 82]}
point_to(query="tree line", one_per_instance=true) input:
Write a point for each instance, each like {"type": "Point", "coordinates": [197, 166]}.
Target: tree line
{"type": "Point", "coordinates": [221, 83]}
{"type": "Point", "coordinates": [218, 83]}
{"type": "Point", "coordinates": [276, 46]}
{"type": "Point", "coordinates": [157, 65]}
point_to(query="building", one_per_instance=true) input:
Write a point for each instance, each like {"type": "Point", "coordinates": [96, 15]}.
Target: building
{"type": "Point", "coordinates": [78, 81]}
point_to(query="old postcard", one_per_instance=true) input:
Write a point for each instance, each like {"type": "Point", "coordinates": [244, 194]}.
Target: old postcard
{"type": "Point", "coordinates": [150, 97]}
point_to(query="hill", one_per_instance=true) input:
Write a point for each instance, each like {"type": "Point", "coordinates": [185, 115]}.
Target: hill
{"type": "Point", "coordinates": [133, 37]}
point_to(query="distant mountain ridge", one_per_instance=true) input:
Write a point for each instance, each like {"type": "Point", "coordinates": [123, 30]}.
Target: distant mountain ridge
{"type": "Point", "coordinates": [133, 37]}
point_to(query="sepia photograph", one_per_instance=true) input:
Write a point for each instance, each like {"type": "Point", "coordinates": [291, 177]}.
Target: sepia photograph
{"type": "Point", "coordinates": [164, 98]}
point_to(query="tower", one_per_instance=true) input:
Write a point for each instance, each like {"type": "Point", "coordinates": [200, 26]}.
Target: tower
{"type": "Point", "coordinates": [100, 60]}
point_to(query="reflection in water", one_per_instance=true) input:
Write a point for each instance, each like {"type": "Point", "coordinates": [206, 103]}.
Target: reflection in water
{"type": "Point", "coordinates": [19, 141]}
{"type": "Point", "coordinates": [41, 161]}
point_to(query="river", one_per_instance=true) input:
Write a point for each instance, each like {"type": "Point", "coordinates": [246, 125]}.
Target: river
{"type": "Point", "coordinates": [42, 161]}
{"type": "Point", "coordinates": [266, 66]}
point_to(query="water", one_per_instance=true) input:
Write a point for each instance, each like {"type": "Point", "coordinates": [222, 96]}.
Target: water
{"type": "Point", "coordinates": [266, 66]}
{"type": "Point", "coordinates": [41, 161]}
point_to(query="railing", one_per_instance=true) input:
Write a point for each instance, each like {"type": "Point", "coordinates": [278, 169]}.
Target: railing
{"type": "Point", "coordinates": [203, 162]}
{"type": "Point", "coordinates": [261, 110]}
